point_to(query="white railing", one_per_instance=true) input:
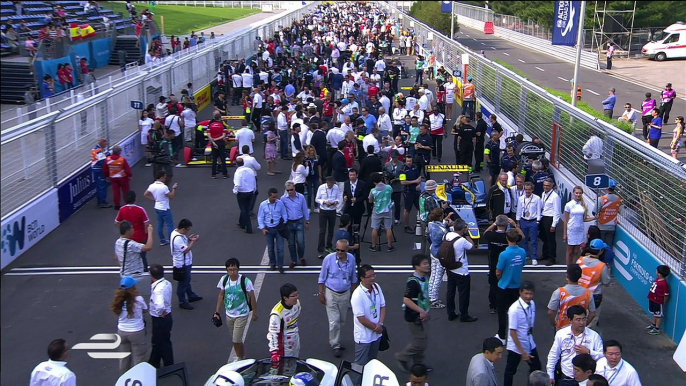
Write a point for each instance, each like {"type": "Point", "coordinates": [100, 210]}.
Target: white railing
{"type": "Point", "coordinates": [41, 153]}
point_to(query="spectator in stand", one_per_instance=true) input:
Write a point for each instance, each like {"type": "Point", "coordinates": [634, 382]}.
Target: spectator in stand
{"type": "Point", "coordinates": [68, 72]}
{"type": "Point", "coordinates": [61, 78]}
{"type": "Point", "coordinates": [629, 115]}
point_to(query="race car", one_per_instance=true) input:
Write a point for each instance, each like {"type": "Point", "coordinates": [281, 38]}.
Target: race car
{"type": "Point", "coordinates": [466, 194]}
{"type": "Point", "coordinates": [298, 372]}
{"type": "Point", "coordinates": [201, 155]}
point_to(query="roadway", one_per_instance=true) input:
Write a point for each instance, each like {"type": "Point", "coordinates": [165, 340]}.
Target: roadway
{"type": "Point", "coordinates": [548, 71]}
{"type": "Point", "coordinates": [63, 286]}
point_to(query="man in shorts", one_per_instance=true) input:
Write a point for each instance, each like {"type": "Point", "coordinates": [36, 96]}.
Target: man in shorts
{"type": "Point", "coordinates": [237, 294]}
{"type": "Point", "coordinates": [381, 197]}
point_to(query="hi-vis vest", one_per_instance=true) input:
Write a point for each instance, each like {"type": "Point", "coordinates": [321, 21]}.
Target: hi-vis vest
{"type": "Point", "coordinates": [567, 300]}
{"type": "Point", "coordinates": [97, 157]}
{"type": "Point", "coordinates": [116, 167]}
{"type": "Point", "coordinates": [468, 91]}
{"type": "Point", "coordinates": [609, 211]}
{"type": "Point", "coordinates": [590, 276]}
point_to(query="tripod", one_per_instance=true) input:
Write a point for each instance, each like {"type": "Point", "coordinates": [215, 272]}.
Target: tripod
{"type": "Point", "coordinates": [381, 228]}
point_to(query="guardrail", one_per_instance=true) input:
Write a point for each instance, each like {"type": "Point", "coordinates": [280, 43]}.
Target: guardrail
{"type": "Point", "coordinates": [652, 184]}
{"type": "Point", "coordinates": [475, 17]}
{"type": "Point", "coordinates": [234, 4]}
{"type": "Point", "coordinates": [40, 154]}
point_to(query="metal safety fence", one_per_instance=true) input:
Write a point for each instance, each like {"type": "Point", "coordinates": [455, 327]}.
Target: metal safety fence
{"type": "Point", "coordinates": [41, 153]}
{"type": "Point", "coordinates": [652, 185]}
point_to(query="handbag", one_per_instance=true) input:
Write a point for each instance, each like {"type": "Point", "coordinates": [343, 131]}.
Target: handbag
{"type": "Point", "coordinates": [282, 228]}
{"type": "Point", "coordinates": [384, 344]}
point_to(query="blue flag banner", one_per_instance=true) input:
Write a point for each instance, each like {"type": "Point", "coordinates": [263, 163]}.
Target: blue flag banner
{"type": "Point", "coordinates": [446, 6]}
{"type": "Point", "coordinates": [566, 22]}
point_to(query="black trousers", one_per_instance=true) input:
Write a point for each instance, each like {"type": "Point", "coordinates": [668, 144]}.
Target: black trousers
{"type": "Point", "coordinates": [437, 150]}
{"type": "Point", "coordinates": [461, 283]}
{"type": "Point", "coordinates": [549, 250]}
{"type": "Point", "coordinates": [244, 199]}
{"type": "Point", "coordinates": [161, 342]}
{"type": "Point", "coordinates": [665, 108]}
{"type": "Point", "coordinates": [513, 360]}
{"type": "Point", "coordinates": [646, 119]}
{"type": "Point", "coordinates": [219, 152]}
{"type": "Point", "coordinates": [478, 156]}
{"type": "Point", "coordinates": [421, 160]}
{"type": "Point", "coordinates": [505, 298]}
{"type": "Point", "coordinates": [327, 221]}
{"type": "Point", "coordinates": [492, 290]}
{"type": "Point", "coordinates": [466, 149]}
{"type": "Point", "coordinates": [396, 197]}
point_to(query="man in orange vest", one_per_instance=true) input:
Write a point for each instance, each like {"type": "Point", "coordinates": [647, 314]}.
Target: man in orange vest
{"type": "Point", "coordinates": [117, 172]}
{"type": "Point", "coordinates": [608, 209]}
{"type": "Point", "coordinates": [594, 273]}
{"type": "Point", "coordinates": [468, 98]}
{"type": "Point", "coordinates": [98, 155]}
{"type": "Point", "coordinates": [570, 295]}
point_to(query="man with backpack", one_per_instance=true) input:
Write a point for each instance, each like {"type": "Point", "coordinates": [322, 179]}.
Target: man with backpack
{"type": "Point", "coordinates": [416, 305]}
{"type": "Point", "coordinates": [453, 256]}
{"type": "Point", "coordinates": [237, 294]}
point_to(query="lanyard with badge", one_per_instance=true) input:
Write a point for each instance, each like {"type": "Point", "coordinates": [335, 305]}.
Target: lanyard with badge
{"type": "Point", "coordinates": [528, 313]}
{"type": "Point", "coordinates": [526, 206]}
{"type": "Point", "coordinates": [609, 380]}
{"type": "Point", "coordinates": [343, 269]}
{"type": "Point", "coordinates": [271, 212]}
{"type": "Point", "coordinates": [372, 299]}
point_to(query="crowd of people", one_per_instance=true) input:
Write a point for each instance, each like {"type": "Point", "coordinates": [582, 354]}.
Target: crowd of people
{"type": "Point", "coordinates": [324, 94]}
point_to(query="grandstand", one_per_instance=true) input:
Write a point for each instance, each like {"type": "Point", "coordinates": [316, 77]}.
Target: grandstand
{"type": "Point", "coordinates": [27, 18]}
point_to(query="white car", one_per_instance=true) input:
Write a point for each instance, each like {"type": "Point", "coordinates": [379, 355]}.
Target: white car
{"type": "Point", "coordinates": [669, 44]}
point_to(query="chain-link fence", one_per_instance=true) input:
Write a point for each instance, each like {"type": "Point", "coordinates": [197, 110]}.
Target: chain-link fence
{"type": "Point", "coordinates": [39, 154]}
{"type": "Point", "coordinates": [652, 185]}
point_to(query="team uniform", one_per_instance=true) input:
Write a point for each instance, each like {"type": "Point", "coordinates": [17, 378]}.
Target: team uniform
{"type": "Point", "coordinates": [283, 335]}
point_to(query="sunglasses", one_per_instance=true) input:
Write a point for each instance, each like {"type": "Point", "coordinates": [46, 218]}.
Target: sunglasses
{"type": "Point", "coordinates": [341, 250]}
{"type": "Point", "coordinates": [290, 190]}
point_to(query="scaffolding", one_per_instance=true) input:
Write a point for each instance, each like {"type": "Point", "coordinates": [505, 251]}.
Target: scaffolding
{"type": "Point", "coordinates": [604, 34]}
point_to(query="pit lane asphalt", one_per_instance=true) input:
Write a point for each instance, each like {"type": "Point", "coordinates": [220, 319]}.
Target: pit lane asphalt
{"type": "Point", "coordinates": [555, 73]}
{"type": "Point", "coordinates": [37, 308]}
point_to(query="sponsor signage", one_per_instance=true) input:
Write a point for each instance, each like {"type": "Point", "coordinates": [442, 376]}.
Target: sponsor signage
{"type": "Point", "coordinates": [635, 269]}
{"type": "Point", "coordinates": [203, 97]}
{"type": "Point", "coordinates": [597, 181]}
{"type": "Point", "coordinates": [446, 168]}
{"type": "Point", "coordinates": [132, 149]}
{"type": "Point", "coordinates": [137, 105]}
{"type": "Point", "coordinates": [74, 193]}
{"type": "Point", "coordinates": [566, 23]}
{"type": "Point", "coordinates": [28, 226]}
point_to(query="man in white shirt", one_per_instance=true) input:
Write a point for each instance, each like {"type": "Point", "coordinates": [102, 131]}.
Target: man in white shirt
{"type": "Point", "coordinates": [244, 187]}
{"type": "Point", "coordinates": [550, 217]}
{"type": "Point", "coordinates": [423, 100]}
{"type": "Point", "coordinates": [305, 94]}
{"type": "Point", "coordinates": [384, 123]}
{"type": "Point", "coordinates": [380, 65]}
{"type": "Point", "coordinates": [614, 369]}
{"type": "Point", "coordinates": [529, 216]}
{"type": "Point", "coordinates": [459, 278]}
{"type": "Point", "coordinates": [375, 78]}
{"type": "Point", "coordinates": [334, 136]}
{"type": "Point", "coordinates": [236, 91]}
{"type": "Point", "coordinates": [521, 345]}
{"type": "Point", "coordinates": [629, 115]}
{"type": "Point", "coordinates": [245, 137]}
{"type": "Point", "coordinates": [160, 313]}
{"type": "Point", "coordinates": [569, 342]}
{"type": "Point", "coordinates": [348, 86]}
{"type": "Point", "coordinates": [182, 262]}
{"type": "Point", "coordinates": [593, 148]}
{"type": "Point", "coordinates": [160, 194]}
{"type": "Point", "coordinates": [328, 198]}
{"type": "Point", "coordinates": [385, 102]}
{"type": "Point", "coordinates": [247, 79]}
{"type": "Point", "coordinates": [54, 372]}
{"type": "Point", "coordinates": [189, 121]}
{"type": "Point", "coordinates": [369, 309]}
{"type": "Point", "coordinates": [282, 126]}
{"type": "Point", "coordinates": [372, 139]}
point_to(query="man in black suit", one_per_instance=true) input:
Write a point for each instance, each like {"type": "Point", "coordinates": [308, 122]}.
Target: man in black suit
{"type": "Point", "coordinates": [339, 171]}
{"type": "Point", "coordinates": [354, 196]}
{"type": "Point", "coordinates": [319, 142]}
{"type": "Point", "coordinates": [369, 166]}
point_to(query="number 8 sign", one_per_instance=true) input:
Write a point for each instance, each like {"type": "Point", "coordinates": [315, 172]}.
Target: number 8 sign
{"type": "Point", "coordinates": [597, 181]}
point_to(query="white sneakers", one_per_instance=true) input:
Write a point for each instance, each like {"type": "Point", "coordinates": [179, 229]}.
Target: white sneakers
{"type": "Point", "coordinates": [534, 262]}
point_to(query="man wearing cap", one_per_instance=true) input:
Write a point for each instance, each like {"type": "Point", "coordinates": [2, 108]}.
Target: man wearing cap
{"type": "Point", "coordinates": [609, 103]}
{"type": "Point", "coordinates": [594, 273]}
{"type": "Point", "coordinates": [608, 208]}
{"type": "Point", "coordinates": [668, 95]}
{"type": "Point", "coordinates": [428, 200]}
{"type": "Point", "coordinates": [469, 96]}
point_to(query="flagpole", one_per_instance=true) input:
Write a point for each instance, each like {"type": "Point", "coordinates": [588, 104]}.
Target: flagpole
{"type": "Point", "coordinates": [579, 45]}
{"type": "Point", "coordinates": [452, 20]}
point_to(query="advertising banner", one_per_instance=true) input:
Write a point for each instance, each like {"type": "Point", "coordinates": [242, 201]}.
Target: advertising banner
{"type": "Point", "coordinates": [28, 226]}
{"type": "Point", "coordinates": [100, 53]}
{"type": "Point", "coordinates": [635, 269]}
{"type": "Point", "coordinates": [203, 97]}
{"type": "Point", "coordinates": [132, 149]}
{"type": "Point", "coordinates": [446, 6]}
{"type": "Point", "coordinates": [566, 23]}
{"type": "Point", "coordinates": [74, 193]}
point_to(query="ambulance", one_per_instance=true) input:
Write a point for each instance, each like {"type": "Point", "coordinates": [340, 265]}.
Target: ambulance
{"type": "Point", "coordinates": [668, 44]}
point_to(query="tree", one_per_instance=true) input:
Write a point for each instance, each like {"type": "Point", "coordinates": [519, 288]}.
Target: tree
{"type": "Point", "coordinates": [430, 13]}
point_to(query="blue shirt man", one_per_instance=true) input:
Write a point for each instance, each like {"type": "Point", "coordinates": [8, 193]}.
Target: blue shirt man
{"type": "Point", "coordinates": [369, 120]}
{"type": "Point", "coordinates": [289, 90]}
{"type": "Point", "coordinates": [298, 220]}
{"type": "Point", "coordinates": [655, 128]}
{"type": "Point", "coordinates": [609, 103]}
{"type": "Point", "coordinates": [272, 212]}
{"type": "Point", "coordinates": [509, 274]}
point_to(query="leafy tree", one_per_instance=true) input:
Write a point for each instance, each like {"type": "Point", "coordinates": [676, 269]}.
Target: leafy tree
{"type": "Point", "coordinates": [430, 13]}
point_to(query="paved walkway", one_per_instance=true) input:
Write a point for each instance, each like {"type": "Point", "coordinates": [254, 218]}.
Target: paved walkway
{"type": "Point", "coordinates": [653, 73]}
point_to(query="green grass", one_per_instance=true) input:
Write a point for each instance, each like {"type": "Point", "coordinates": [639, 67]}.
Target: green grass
{"type": "Point", "coordinates": [582, 105]}
{"type": "Point", "coordinates": [181, 20]}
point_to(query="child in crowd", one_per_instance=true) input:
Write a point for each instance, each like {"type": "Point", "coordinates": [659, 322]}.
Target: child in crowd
{"type": "Point", "coordinates": [657, 297]}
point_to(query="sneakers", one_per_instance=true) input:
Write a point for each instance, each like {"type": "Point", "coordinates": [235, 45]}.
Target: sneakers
{"type": "Point", "coordinates": [437, 304]}
{"type": "Point", "coordinates": [493, 310]}
{"type": "Point", "coordinates": [162, 244]}
{"type": "Point", "coordinates": [651, 327]}
{"type": "Point", "coordinates": [502, 340]}
{"type": "Point", "coordinates": [654, 331]}
{"type": "Point", "coordinates": [409, 230]}
{"type": "Point", "coordinates": [373, 248]}
{"type": "Point", "coordinates": [396, 222]}
{"type": "Point", "coordinates": [534, 262]}
{"type": "Point", "coordinates": [391, 249]}
{"type": "Point", "coordinates": [337, 352]}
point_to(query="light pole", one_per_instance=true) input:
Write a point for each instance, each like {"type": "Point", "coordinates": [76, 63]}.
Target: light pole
{"type": "Point", "coordinates": [452, 20]}
{"type": "Point", "coordinates": [579, 45]}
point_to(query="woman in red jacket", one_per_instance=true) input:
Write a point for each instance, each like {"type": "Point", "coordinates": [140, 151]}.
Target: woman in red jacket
{"type": "Point", "coordinates": [68, 72]}
{"type": "Point", "coordinates": [60, 76]}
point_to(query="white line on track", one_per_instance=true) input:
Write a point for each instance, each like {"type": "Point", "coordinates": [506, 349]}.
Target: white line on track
{"type": "Point", "coordinates": [566, 80]}
{"type": "Point", "coordinates": [540, 69]}
{"type": "Point", "coordinates": [258, 286]}
{"type": "Point", "coordinates": [493, 48]}
{"type": "Point", "coordinates": [475, 39]}
{"type": "Point", "coordinates": [465, 35]}
{"type": "Point", "coordinates": [592, 92]}
{"type": "Point", "coordinates": [483, 43]}
{"type": "Point", "coordinates": [204, 268]}
{"type": "Point", "coordinates": [505, 53]}
{"type": "Point", "coordinates": [521, 60]}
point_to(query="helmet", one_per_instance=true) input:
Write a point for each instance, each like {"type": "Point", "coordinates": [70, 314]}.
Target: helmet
{"type": "Point", "coordinates": [612, 184]}
{"type": "Point", "coordinates": [229, 378]}
{"type": "Point", "coordinates": [303, 379]}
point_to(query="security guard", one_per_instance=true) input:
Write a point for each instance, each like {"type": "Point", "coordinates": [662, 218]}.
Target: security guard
{"type": "Point", "coordinates": [492, 156]}
{"type": "Point", "coordinates": [98, 156]}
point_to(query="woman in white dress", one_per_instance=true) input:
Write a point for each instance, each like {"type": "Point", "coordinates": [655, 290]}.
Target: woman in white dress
{"type": "Point", "coordinates": [576, 213]}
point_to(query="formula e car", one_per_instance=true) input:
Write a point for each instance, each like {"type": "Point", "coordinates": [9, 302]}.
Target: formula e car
{"type": "Point", "coordinates": [466, 195]}
{"type": "Point", "coordinates": [201, 153]}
